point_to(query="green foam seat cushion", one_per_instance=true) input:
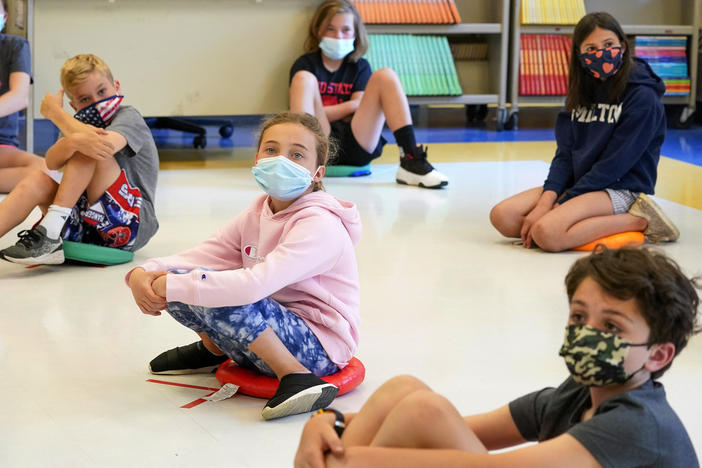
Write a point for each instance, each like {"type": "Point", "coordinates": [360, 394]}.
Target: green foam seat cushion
{"type": "Point", "coordinates": [89, 253]}
{"type": "Point", "coordinates": [347, 171]}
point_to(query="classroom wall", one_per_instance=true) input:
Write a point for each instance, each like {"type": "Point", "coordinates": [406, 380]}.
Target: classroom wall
{"type": "Point", "coordinates": [214, 57]}
{"type": "Point", "coordinates": [178, 57]}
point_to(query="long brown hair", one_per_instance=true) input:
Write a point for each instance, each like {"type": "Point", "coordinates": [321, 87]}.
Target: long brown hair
{"type": "Point", "coordinates": [324, 14]}
{"type": "Point", "coordinates": [323, 146]}
{"type": "Point", "coordinates": [581, 85]}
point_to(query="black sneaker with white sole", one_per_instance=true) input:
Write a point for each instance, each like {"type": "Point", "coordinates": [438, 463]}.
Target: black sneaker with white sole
{"type": "Point", "coordinates": [416, 170]}
{"type": "Point", "coordinates": [34, 247]}
{"type": "Point", "coordinates": [299, 393]}
{"type": "Point", "coordinates": [190, 359]}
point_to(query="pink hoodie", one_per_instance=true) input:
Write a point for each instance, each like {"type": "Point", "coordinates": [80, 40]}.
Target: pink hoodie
{"type": "Point", "coordinates": [303, 257]}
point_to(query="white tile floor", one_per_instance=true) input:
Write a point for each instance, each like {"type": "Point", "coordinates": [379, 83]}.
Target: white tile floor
{"type": "Point", "coordinates": [443, 298]}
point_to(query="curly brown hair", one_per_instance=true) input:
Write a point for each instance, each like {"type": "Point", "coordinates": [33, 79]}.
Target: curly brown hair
{"type": "Point", "coordinates": [666, 298]}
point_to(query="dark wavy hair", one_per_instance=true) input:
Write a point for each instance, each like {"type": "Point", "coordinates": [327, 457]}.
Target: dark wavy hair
{"type": "Point", "coordinates": [581, 85]}
{"type": "Point", "coordinates": [666, 298]}
{"type": "Point", "coordinates": [324, 14]}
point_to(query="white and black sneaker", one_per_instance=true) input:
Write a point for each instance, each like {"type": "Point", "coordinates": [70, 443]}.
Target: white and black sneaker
{"type": "Point", "coordinates": [190, 359]}
{"type": "Point", "coordinates": [34, 247]}
{"type": "Point", "coordinates": [299, 393]}
{"type": "Point", "coordinates": [416, 170]}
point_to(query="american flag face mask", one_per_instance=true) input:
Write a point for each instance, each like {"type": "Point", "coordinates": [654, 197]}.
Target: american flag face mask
{"type": "Point", "coordinates": [99, 114]}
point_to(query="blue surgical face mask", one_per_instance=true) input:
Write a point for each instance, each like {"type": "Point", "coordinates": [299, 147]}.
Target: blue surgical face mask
{"type": "Point", "coordinates": [281, 178]}
{"type": "Point", "coordinates": [336, 49]}
{"type": "Point", "coordinates": [2, 23]}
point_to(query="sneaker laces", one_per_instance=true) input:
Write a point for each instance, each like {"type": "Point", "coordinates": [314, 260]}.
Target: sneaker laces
{"type": "Point", "coordinates": [28, 237]}
{"type": "Point", "coordinates": [421, 154]}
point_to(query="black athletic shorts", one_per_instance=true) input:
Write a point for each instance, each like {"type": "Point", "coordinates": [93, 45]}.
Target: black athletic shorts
{"type": "Point", "coordinates": [349, 152]}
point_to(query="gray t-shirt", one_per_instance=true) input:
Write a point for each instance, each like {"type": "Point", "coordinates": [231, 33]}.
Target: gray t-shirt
{"type": "Point", "coordinates": [139, 159]}
{"type": "Point", "coordinates": [637, 428]}
{"type": "Point", "coordinates": [14, 57]}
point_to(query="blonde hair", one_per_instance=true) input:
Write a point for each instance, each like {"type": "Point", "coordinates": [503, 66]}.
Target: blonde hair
{"type": "Point", "coordinates": [76, 70]}
{"type": "Point", "coordinates": [324, 14]}
{"type": "Point", "coordinates": [323, 145]}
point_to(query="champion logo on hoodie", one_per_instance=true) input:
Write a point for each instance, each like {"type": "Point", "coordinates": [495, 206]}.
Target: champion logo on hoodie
{"type": "Point", "coordinates": [605, 113]}
{"type": "Point", "coordinates": [250, 251]}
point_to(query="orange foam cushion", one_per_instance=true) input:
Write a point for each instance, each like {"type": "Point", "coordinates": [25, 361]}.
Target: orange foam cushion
{"type": "Point", "coordinates": [261, 386]}
{"type": "Point", "coordinates": [615, 241]}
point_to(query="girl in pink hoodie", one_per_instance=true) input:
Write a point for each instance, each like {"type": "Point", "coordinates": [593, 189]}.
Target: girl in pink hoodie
{"type": "Point", "coordinates": [276, 289]}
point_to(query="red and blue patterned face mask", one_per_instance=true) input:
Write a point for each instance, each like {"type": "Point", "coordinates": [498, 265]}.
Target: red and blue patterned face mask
{"type": "Point", "coordinates": [602, 63]}
{"type": "Point", "coordinates": [100, 113]}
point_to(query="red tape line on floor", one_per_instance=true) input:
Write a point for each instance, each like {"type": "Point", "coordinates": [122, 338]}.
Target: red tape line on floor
{"type": "Point", "coordinates": [192, 404]}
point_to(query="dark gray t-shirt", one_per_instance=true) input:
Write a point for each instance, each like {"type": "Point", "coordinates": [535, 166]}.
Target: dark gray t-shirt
{"type": "Point", "coordinates": [139, 159]}
{"type": "Point", "coordinates": [14, 57]}
{"type": "Point", "coordinates": [637, 428]}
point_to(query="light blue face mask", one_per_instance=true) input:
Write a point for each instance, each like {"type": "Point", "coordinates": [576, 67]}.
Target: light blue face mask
{"type": "Point", "coordinates": [281, 178]}
{"type": "Point", "coordinates": [336, 49]}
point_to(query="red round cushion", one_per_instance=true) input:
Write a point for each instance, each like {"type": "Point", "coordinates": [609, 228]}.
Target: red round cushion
{"type": "Point", "coordinates": [261, 386]}
{"type": "Point", "coordinates": [615, 241]}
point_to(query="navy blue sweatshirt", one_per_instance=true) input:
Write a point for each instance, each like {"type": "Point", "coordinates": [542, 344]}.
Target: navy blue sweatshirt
{"type": "Point", "coordinates": [613, 146]}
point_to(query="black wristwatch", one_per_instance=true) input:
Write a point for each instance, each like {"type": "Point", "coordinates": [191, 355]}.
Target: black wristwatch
{"type": "Point", "coordinates": [339, 421]}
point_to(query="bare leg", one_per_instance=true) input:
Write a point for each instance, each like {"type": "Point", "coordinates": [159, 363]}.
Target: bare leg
{"type": "Point", "coordinates": [82, 173]}
{"type": "Point", "coordinates": [580, 220]}
{"type": "Point", "coordinates": [305, 97]}
{"type": "Point", "coordinates": [211, 347]}
{"type": "Point", "coordinates": [406, 425]}
{"type": "Point", "coordinates": [15, 165]}
{"type": "Point", "coordinates": [268, 347]}
{"type": "Point", "coordinates": [508, 215]}
{"type": "Point", "coordinates": [383, 99]}
{"type": "Point", "coordinates": [365, 425]}
{"type": "Point", "coordinates": [36, 189]}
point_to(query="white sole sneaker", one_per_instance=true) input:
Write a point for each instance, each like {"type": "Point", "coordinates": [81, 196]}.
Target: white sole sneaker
{"type": "Point", "coordinates": [660, 227]}
{"type": "Point", "coordinates": [305, 401]}
{"type": "Point", "coordinates": [433, 179]}
{"type": "Point", "coordinates": [53, 258]}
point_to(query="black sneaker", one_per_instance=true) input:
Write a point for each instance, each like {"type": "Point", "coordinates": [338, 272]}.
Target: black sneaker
{"type": "Point", "coordinates": [191, 359]}
{"type": "Point", "coordinates": [299, 393]}
{"type": "Point", "coordinates": [416, 170]}
{"type": "Point", "coordinates": [34, 247]}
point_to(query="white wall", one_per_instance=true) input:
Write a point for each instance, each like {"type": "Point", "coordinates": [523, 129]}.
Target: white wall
{"type": "Point", "coordinates": [178, 57]}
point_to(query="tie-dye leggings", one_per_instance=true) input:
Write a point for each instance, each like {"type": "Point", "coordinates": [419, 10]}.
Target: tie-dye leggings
{"type": "Point", "coordinates": [233, 329]}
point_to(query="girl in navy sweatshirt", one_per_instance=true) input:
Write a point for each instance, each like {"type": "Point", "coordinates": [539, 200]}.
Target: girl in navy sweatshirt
{"type": "Point", "coordinates": [609, 142]}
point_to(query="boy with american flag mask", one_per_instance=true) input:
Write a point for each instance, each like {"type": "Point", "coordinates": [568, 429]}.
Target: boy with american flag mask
{"type": "Point", "coordinates": [105, 193]}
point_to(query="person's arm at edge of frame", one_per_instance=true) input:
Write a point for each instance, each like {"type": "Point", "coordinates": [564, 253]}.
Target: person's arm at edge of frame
{"type": "Point", "coordinates": [17, 97]}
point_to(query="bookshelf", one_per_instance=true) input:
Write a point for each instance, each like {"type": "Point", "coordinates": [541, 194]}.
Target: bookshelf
{"type": "Point", "coordinates": [483, 82]}
{"type": "Point", "coordinates": [650, 18]}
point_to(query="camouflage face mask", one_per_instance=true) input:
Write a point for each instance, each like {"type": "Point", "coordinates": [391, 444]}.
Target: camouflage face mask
{"type": "Point", "coordinates": [596, 358]}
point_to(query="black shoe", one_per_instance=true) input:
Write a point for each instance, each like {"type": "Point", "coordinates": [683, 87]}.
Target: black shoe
{"type": "Point", "coordinates": [191, 359]}
{"type": "Point", "coordinates": [299, 393]}
{"type": "Point", "coordinates": [35, 247]}
{"type": "Point", "coordinates": [416, 170]}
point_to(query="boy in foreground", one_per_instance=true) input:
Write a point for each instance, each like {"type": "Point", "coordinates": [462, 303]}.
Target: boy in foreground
{"type": "Point", "coordinates": [631, 312]}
